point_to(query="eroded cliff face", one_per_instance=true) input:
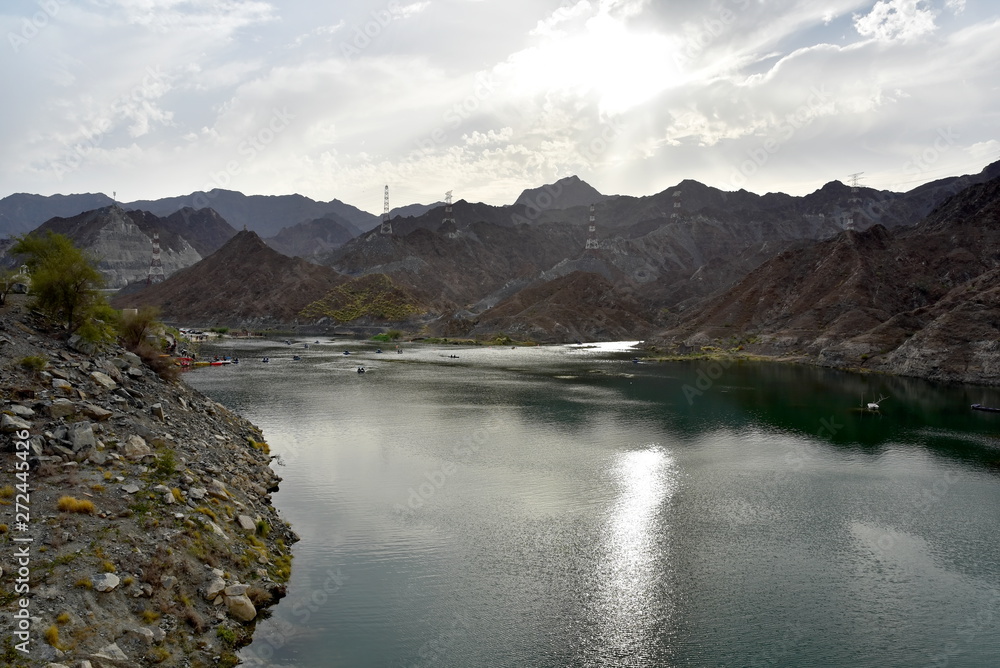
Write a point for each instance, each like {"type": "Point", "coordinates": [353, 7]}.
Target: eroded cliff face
{"type": "Point", "coordinates": [125, 252]}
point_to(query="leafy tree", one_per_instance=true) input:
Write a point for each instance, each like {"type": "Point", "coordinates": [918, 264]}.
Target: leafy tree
{"type": "Point", "coordinates": [65, 283]}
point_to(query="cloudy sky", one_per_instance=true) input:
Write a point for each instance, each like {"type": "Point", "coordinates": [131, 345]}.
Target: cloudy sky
{"type": "Point", "coordinates": [152, 98]}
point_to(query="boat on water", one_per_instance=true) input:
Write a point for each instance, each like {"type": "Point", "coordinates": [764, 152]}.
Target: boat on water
{"type": "Point", "coordinates": [378, 351]}
{"type": "Point", "coordinates": [986, 409]}
{"type": "Point", "coordinates": [266, 360]}
{"type": "Point", "coordinates": [347, 352]}
{"type": "Point", "coordinates": [296, 358]}
{"type": "Point", "coordinates": [361, 369]}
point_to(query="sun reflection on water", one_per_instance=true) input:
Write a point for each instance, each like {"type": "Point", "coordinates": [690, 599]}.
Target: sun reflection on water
{"type": "Point", "coordinates": [634, 591]}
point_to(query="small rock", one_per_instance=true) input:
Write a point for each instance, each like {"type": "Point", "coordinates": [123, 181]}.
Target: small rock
{"type": "Point", "coordinates": [157, 411]}
{"type": "Point", "coordinates": [98, 458]}
{"type": "Point", "coordinates": [246, 523]}
{"type": "Point", "coordinates": [21, 411]}
{"type": "Point", "coordinates": [144, 633]}
{"type": "Point", "coordinates": [106, 582]}
{"type": "Point", "coordinates": [85, 664]}
{"type": "Point", "coordinates": [132, 359]}
{"type": "Point", "coordinates": [11, 423]}
{"type": "Point", "coordinates": [112, 653]}
{"type": "Point", "coordinates": [95, 412]}
{"type": "Point", "coordinates": [168, 581]}
{"type": "Point", "coordinates": [241, 608]}
{"type": "Point", "coordinates": [130, 488]}
{"type": "Point", "coordinates": [218, 530]}
{"type": "Point", "coordinates": [197, 493]}
{"type": "Point", "coordinates": [60, 385]}
{"type": "Point", "coordinates": [61, 408]}
{"type": "Point", "coordinates": [103, 379]}
{"type": "Point", "coordinates": [159, 635]}
{"type": "Point", "coordinates": [217, 488]}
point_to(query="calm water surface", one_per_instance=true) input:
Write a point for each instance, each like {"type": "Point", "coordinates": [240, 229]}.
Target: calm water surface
{"type": "Point", "coordinates": [562, 506]}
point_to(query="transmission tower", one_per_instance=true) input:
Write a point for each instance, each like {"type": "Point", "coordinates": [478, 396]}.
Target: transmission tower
{"type": "Point", "coordinates": [155, 267]}
{"type": "Point", "coordinates": [448, 216]}
{"type": "Point", "coordinates": [854, 202]}
{"type": "Point", "coordinates": [386, 225]}
{"type": "Point", "coordinates": [592, 232]}
{"type": "Point", "coordinates": [448, 225]}
{"type": "Point", "coordinates": [677, 205]}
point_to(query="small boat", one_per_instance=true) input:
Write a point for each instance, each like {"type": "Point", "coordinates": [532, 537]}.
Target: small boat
{"type": "Point", "coordinates": [454, 357]}
{"type": "Point", "coordinates": [220, 362]}
{"type": "Point", "coordinates": [636, 360]}
{"type": "Point", "coordinates": [347, 352]}
{"type": "Point", "coordinates": [296, 358]}
{"type": "Point", "coordinates": [361, 369]}
{"type": "Point", "coordinates": [987, 409]}
{"type": "Point", "coordinates": [305, 345]}
{"type": "Point", "coordinates": [266, 360]}
{"type": "Point", "coordinates": [378, 351]}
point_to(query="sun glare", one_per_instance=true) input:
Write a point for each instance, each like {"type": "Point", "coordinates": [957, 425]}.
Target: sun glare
{"type": "Point", "coordinates": [602, 58]}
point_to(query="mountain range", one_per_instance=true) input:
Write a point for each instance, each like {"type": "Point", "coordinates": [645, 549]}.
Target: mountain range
{"type": "Point", "coordinates": [843, 276]}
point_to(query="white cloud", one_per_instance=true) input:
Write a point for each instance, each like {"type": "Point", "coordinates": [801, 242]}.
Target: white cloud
{"type": "Point", "coordinates": [407, 11]}
{"type": "Point", "coordinates": [491, 137]}
{"type": "Point", "coordinates": [892, 20]}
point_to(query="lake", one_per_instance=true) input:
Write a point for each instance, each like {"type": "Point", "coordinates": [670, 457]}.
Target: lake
{"type": "Point", "coordinates": [562, 506]}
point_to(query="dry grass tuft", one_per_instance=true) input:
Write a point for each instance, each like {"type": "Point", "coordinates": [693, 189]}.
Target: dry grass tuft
{"type": "Point", "coordinates": [71, 504]}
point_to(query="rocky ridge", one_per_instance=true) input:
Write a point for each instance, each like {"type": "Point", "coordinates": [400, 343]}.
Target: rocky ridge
{"type": "Point", "coordinates": [153, 538]}
{"type": "Point", "coordinates": [919, 301]}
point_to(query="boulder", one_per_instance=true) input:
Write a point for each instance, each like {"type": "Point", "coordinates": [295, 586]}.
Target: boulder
{"type": "Point", "coordinates": [135, 447]}
{"type": "Point", "coordinates": [216, 587]}
{"type": "Point", "coordinates": [241, 608]}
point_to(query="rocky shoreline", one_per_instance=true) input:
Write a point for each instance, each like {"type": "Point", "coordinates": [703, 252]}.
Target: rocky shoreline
{"type": "Point", "coordinates": [136, 526]}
